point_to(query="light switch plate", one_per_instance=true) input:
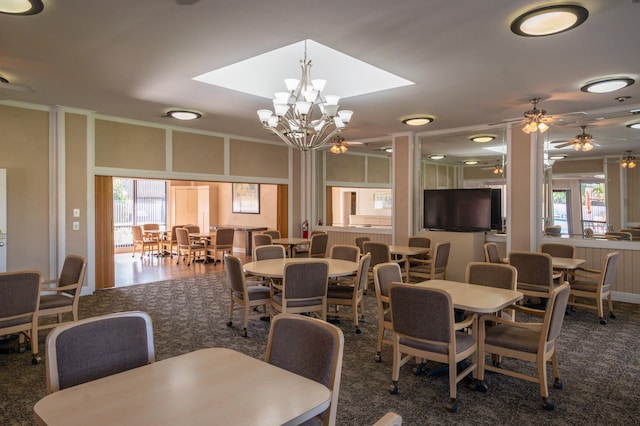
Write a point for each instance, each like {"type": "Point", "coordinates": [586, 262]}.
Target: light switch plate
{"type": "Point", "coordinates": [76, 212]}
{"type": "Point", "coordinates": [76, 226]}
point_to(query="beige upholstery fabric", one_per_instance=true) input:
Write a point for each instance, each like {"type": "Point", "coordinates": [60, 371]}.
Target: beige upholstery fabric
{"type": "Point", "coordinates": [244, 297]}
{"type": "Point", "coordinates": [141, 242]}
{"type": "Point", "coordinates": [383, 275]}
{"type": "Point", "coordinates": [491, 253]}
{"type": "Point", "coordinates": [593, 284]}
{"type": "Point", "coordinates": [261, 240]}
{"type": "Point", "coordinates": [350, 295]}
{"type": "Point", "coordinates": [19, 302]}
{"type": "Point", "coordinates": [62, 295]}
{"type": "Point", "coordinates": [187, 248]}
{"type": "Point", "coordinates": [222, 243]}
{"type": "Point", "coordinates": [303, 289]}
{"type": "Point", "coordinates": [535, 273]}
{"type": "Point", "coordinates": [433, 268]}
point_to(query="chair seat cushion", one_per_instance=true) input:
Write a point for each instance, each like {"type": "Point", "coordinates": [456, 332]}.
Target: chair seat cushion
{"type": "Point", "coordinates": [256, 292]}
{"type": "Point", "coordinates": [15, 322]}
{"type": "Point", "coordinates": [510, 337]}
{"type": "Point", "coordinates": [535, 287]}
{"type": "Point", "coordinates": [48, 301]}
{"type": "Point", "coordinates": [463, 342]}
{"type": "Point", "coordinates": [585, 286]}
{"type": "Point", "coordinates": [277, 298]}
{"type": "Point", "coordinates": [340, 292]}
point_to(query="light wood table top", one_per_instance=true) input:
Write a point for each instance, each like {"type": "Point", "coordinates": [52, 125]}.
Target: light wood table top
{"type": "Point", "coordinates": [274, 268]}
{"type": "Point", "coordinates": [408, 250]}
{"type": "Point", "coordinates": [291, 241]}
{"type": "Point", "coordinates": [566, 263]}
{"type": "Point", "coordinates": [205, 387]}
{"type": "Point", "coordinates": [475, 298]}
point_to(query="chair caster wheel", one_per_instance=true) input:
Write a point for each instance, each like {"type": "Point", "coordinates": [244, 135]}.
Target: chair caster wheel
{"type": "Point", "coordinates": [452, 407]}
{"type": "Point", "coordinates": [358, 330]}
{"type": "Point", "coordinates": [603, 321]}
{"type": "Point", "coordinates": [612, 315]}
{"type": "Point", "coordinates": [378, 358]}
{"type": "Point", "coordinates": [245, 333]}
{"type": "Point", "coordinates": [557, 384]}
{"type": "Point", "coordinates": [34, 361]}
{"type": "Point", "coordinates": [548, 406]}
{"type": "Point", "coordinates": [229, 324]}
{"type": "Point", "coordinates": [418, 371]}
{"type": "Point", "coordinates": [478, 386]}
{"type": "Point", "coordinates": [393, 390]}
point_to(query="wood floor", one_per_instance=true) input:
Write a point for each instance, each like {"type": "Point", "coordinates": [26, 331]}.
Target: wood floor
{"type": "Point", "coordinates": [136, 270]}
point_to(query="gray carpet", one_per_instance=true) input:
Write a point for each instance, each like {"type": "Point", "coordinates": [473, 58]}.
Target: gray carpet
{"type": "Point", "coordinates": [600, 365]}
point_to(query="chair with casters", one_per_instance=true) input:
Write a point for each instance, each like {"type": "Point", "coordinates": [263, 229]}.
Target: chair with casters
{"type": "Point", "coordinates": [274, 233]}
{"type": "Point", "coordinates": [261, 240]}
{"type": "Point", "coordinates": [61, 295]}
{"type": "Point", "coordinates": [187, 247]}
{"type": "Point", "coordinates": [422, 242]}
{"type": "Point", "coordinates": [302, 250]}
{"type": "Point", "coordinates": [222, 243]}
{"type": "Point", "coordinates": [359, 242]}
{"type": "Point", "coordinates": [595, 284]}
{"type": "Point", "coordinates": [379, 254]}
{"type": "Point", "coordinates": [383, 275]}
{"type": "Point", "coordinates": [317, 247]}
{"type": "Point", "coordinates": [20, 298]}
{"type": "Point", "coordinates": [172, 241]}
{"type": "Point", "coordinates": [350, 295]}
{"type": "Point", "coordinates": [244, 297]}
{"type": "Point", "coordinates": [141, 242]}
{"type": "Point", "coordinates": [151, 227]}
{"type": "Point", "coordinates": [348, 253]}
{"type": "Point", "coordinates": [273, 251]}
{"type": "Point", "coordinates": [97, 347]}
{"type": "Point", "coordinates": [531, 341]}
{"type": "Point", "coordinates": [558, 250]}
{"type": "Point", "coordinates": [492, 254]}
{"type": "Point", "coordinates": [310, 348]}
{"type": "Point", "coordinates": [389, 419]}
{"type": "Point", "coordinates": [192, 229]}
{"type": "Point", "coordinates": [435, 267]}
{"type": "Point", "coordinates": [535, 273]}
{"type": "Point", "coordinates": [423, 327]}
{"type": "Point", "coordinates": [303, 289]}
{"type": "Point", "coordinates": [494, 275]}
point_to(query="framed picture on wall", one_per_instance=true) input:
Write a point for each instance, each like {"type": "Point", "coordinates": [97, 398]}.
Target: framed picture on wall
{"type": "Point", "coordinates": [382, 200]}
{"type": "Point", "coordinates": [245, 198]}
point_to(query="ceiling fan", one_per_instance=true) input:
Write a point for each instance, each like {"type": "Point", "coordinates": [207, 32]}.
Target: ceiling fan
{"type": "Point", "coordinates": [339, 145]}
{"type": "Point", "coordinates": [582, 141]}
{"type": "Point", "coordinates": [497, 169]}
{"type": "Point", "coordinates": [5, 84]}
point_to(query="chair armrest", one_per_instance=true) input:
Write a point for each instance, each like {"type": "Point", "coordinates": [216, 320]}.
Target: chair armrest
{"type": "Point", "coordinates": [59, 289]}
{"type": "Point", "coordinates": [525, 310]}
{"type": "Point", "coordinates": [536, 326]}
{"type": "Point", "coordinates": [586, 273]}
{"type": "Point", "coordinates": [47, 283]}
{"type": "Point", "coordinates": [467, 322]}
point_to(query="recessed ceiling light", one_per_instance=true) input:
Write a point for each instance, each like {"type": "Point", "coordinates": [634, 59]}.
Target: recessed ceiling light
{"type": "Point", "coordinates": [183, 114]}
{"type": "Point", "coordinates": [549, 20]}
{"type": "Point", "coordinates": [437, 156]}
{"type": "Point", "coordinates": [21, 7]}
{"type": "Point", "coordinates": [634, 125]}
{"type": "Point", "coordinates": [606, 85]}
{"type": "Point", "coordinates": [557, 157]}
{"type": "Point", "coordinates": [470, 162]}
{"type": "Point", "coordinates": [419, 120]}
{"type": "Point", "coordinates": [482, 138]}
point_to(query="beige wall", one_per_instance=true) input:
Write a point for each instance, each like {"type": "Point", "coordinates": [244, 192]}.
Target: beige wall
{"type": "Point", "coordinates": [76, 183]}
{"type": "Point", "coordinates": [129, 146]}
{"type": "Point", "coordinates": [522, 193]}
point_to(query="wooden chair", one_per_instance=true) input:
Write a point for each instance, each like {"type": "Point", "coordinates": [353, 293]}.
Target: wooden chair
{"type": "Point", "coordinates": [379, 254]}
{"type": "Point", "coordinates": [491, 253]}
{"type": "Point", "coordinates": [19, 303]}
{"type": "Point", "coordinates": [344, 252]}
{"type": "Point", "coordinates": [64, 295]}
{"type": "Point", "coordinates": [535, 273]}
{"type": "Point", "coordinates": [389, 419]}
{"type": "Point", "coordinates": [359, 241]}
{"type": "Point", "coordinates": [222, 242]}
{"type": "Point", "coordinates": [317, 247]}
{"type": "Point", "coordinates": [433, 268]}
{"type": "Point", "coordinates": [311, 348]}
{"type": "Point", "coordinates": [422, 242]}
{"type": "Point", "coordinates": [261, 240]}
{"type": "Point", "coordinates": [187, 247]}
{"type": "Point", "coordinates": [558, 250]}
{"type": "Point", "coordinates": [350, 295]}
{"type": "Point", "coordinates": [244, 297]}
{"type": "Point", "coordinates": [171, 242]}
{"type": "Point", "coordinates": [635, 233]}
{"type": "Point", "coordinates": [595, 284]}
{"type": "Point", "coordinates": [273, 233]}
{"type": "Point", "coordinates": [303, 289]}
{"type": "Point", "coordinates": [151, 227]}
{"type": "Point", "coordinates": [273, 251]}
{"type": "Point", "coordinates": [141, 242]}
{"type": "Point", "coordinates": [97, 347]}
{"type": "Point", "coordinates": [423, 327]}
{"type": "Point", "coordinates": [621, 236]}
{"type": "Point", "coordinates": [384, 274]}
{"type": "Point", "coordinates": [531, 341]}
{"type": "Point", "coordinates": [553, 231]}
{"type": "Point", "coordinates": [496, 275]}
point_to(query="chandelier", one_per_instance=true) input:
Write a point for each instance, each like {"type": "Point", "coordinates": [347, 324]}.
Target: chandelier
{"type": "Point", "coordinates": [628, 161]}
{"type": "Point", "coordinates": [303, 117]}
{"type": "Point", "coordinates": [535, 118]}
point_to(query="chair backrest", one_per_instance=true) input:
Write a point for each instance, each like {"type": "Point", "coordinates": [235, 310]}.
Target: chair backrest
{"type": "Point", "coordinates": [384, 274]}
{"type": "Point", "coordinates": [424, 242]}
{"type": "Point", "coordinates": [318, 246]}
{"type": "Point", "coordinates": [306, 279]}
{"type": "Point", "coordinates": [235, 274]}
{"type": "Point", "coordinates": [182, 237]}
{"type": "Point", "coordinates": [273, 251]}
{"type": "Point", "coordinates": [173, 232]}
{"type": "Point", "coordinates": [441, 255]}
{"type": "Point", "coordinates": [136, 233]}
{"type": "Point", "coordinates": [311, 348]}
{"type": "Point", "coordinates": [97, 347]}
{"type": "Point", "coordinates": [422, 312]}
{"type": "Point", "coordinates": [554, 315]}
{"type": "Point", "coordinates": [588, 232]}
{"type": "Point", "coordinates": [316, 232]}
{"type": "Point", "coordinates": [498, 275]}
{"type": "Point", "coordinates": [379, 252]}
{"type": "Point", "coordinates": [261, 240]}
{"type": "Point", "coordinates": [273, 233]}
{"type": "Point", "coordinates": [491, 253]}
{"type": "Point", "coordinates": [224, 236]}
{"type": "Point", "coordinates": [609, 270]}
{"type": "Point", "coordinates": [363, 273]}
{"type": "Point", "coordinates": [151, 227]}
{"type": "Point", "coordinates": [192, 229]}
{"type": "Point", "coordinates": [635, 233]}
{"type": "Point", "coordinates": [533, 268]}
{"type": "Point", "coordinates": [73, 272]}
{"type": "Point", "coordinates": [558, 250]}
{"type": "Point", "coordinates": [345, 252]}
{"type": "Point", "coordinates": [623, 236]}
{"type": "Point", "coordinates": [19, 296]}
{"type": "Point", "coordinates": [553, 231]}
{"type": "Point", "coordinates": [359, 241]}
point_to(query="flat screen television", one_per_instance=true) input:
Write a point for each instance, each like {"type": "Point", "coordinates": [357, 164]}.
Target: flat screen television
{"type": "Point", "coordinates": [458, 209]}
{"type": "Point", "coordinates": [496, 209]}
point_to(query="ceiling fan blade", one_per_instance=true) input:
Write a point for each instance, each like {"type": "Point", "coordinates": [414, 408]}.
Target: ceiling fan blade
{"type": "Point", "coordinates": [4, 84]}
{"type": "Point", "coordinates": [562, 141]}
{"type": "Point", "coordinates": [564, 145]}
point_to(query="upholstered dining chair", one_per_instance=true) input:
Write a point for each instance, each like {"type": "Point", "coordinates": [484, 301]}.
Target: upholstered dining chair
{"type": "Point", "coordinates": [19, 301]}
{"type": "Point", "coordinates": [344, 252]}
{"type": "Point", "coordinates": [359, 241]}
{"type": "Point", "coordinates": [141, 242]}
{"type": "Point", "coordinates": [317, 247]}
{"type": "Point", "coordinates": [422, 242]}
{"type": "Point", "coordinates": [274, 233]}
{"type": "Point", "coordinates": [151, 227]}
{"type": "Point", "coordinates": [379, 254]}
{"type": "Point", "coordinates": [389, 419]}
{"type": "Point", "coordinates": [635, 233]}
{"type": "Point", "coordinates": [383, 275]}
{"type": "Point", "coordinates": [531, 341]}
{"type": "Point", "coordinates": [261, 240]}
{"type": "Point", "coordinates": [595, 285]}
{"type": "Point", "coordinates": [187, 248]}
{"type": "Point", "coordinates": [351, 296]}
{"type": "Point", "coordinates": [172, 241]}
{"type": "Point", "coordinates": [496, 275]}
{"type": "Point", "coordinates": [435, 267]}
{"type": "Point", "coordinates": [423, 325]}
{"type": "Point", "coordinates": [266, 252]}
{"type": "Point", "coordinates": [535, 273]}
{"type": "Point", "coordinates": [491, 253]}
{"type": "Point", "coordinates": [221, 243]}
{"type": "Point", "coordinates": [553, 231]}
{"type": "Point", "coordinates": [303, 289]}
{"type": "Point", "coordinates": [61, 296]}
{"type": "Point", "coordinates": [558, 250]}
{"type": "Point", "coordinates": [244, 297]}
{"type": "Point", "coordinates": [310, 348]}
{"type": "Point", "coordinates": [620, 235]}
{"type": "Point", "coordinates": [97, 347]}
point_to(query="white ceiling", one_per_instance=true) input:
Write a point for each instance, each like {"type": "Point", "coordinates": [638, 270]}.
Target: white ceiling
{"type": "Point", "coordinates": [138, 59]}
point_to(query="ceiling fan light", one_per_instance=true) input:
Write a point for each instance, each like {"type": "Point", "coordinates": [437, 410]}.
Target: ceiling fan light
{"type": "Point", "coordinates": [576, 146]}
{"type": "Point", "coordinates": [606, 85]}
{"type": "Point", "coordinates": [587, 146]}
{"type": "Point", "coordinates": [417, 120]}
{"type": "Point", "coordinates": [437, 157]}
{"type": "Point", "coordinates": [634, 125]}
{"type": "Point", "coordinates": [21, 7]}
{"type": "Point", "coordinates": [632, 164]}
{"type": "Point", "coordinates": [187, 115]}
{"type": "Point", "coordinates": [549, 20]}
{"type": "Point", "coordinates": [543, 127]}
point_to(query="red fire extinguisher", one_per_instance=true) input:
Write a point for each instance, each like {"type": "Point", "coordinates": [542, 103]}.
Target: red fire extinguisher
{"type": "Point", "coordinates": [305, 229]}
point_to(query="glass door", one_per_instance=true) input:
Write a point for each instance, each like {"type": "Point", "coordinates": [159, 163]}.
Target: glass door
{"type": "Point", "coordinates": [562, 210]}
{"type": "Point", "coordinates": [594, 207]}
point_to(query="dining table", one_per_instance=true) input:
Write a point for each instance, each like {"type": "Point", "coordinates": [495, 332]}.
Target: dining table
{"type": "Point", "coordinates": [274, 268]}
{"type": "Point", "coordinates": [291, 243]}
{"type": "Point", "coordinates": [403, 252]}
{"type": "Point", "coordinates": [204, 387]}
